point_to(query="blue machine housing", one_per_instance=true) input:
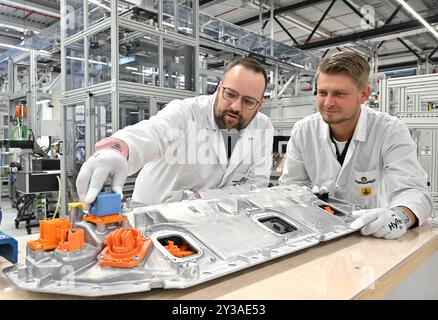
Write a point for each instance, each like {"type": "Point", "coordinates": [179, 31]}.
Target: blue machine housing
{"type": "Point", "coordinates": [106, 203]}
{"type": "Point", "coordinates": [8, 247]}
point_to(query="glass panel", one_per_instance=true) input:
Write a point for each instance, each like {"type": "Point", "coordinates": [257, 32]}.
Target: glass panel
{"type": "Point", "coordinates": [75, 137]}
{"type": "Point", "coordinates": [179, 12]}
{"type": "Point", "coordinates": [46, 39]}
{"type": "Point", "coordinates": [98, 10]}
{"type": "Point", "coordinates": [75, 17]}
{"type": "Point", "coordinates": [138, 60]}
{"type": "Point", "coordinates": [75, 66]}
{"type": "Point", "coordinates": [211, 70]}
{"type": "Point", "coordinates": [234, 36]}
{"type": "Point", "coordinates": [179, 65]}
{"type": "Point", "coordinates": [4, 85]}
{"type": "Point", "coordinates": [169, 7]}
{"type": "Point", "coordinates": [133, 109]}
{"type": "Point", "coordinates": [185, 18]}
{"type": "Point", "coordinates": [103, 122]}
{"type": "Point", "coordinates": [99, 63]}
{"type": "Point", "coordinates": [145, 11]}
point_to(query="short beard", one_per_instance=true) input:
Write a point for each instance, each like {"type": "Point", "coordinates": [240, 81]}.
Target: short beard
{"type": "Point", "coordinates": [334, 121]}
{"type": "Point", "coordinates": [220, 120]}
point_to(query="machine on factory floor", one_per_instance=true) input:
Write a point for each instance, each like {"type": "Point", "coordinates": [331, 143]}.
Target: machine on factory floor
{"type": "Point", "coordinates": [34, 182]}
{"type": "Point", "coordinates": [177, 245]}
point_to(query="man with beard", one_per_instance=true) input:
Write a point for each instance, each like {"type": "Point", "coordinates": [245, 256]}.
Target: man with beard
{"type": "Point", "coordinates": [194, 148]}
{"type": "Point", "coordinates": [359, 155]}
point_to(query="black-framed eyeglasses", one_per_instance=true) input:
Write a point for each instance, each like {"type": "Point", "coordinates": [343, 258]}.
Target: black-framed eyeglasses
{"type": "Point", "coordinates": [231, 96]}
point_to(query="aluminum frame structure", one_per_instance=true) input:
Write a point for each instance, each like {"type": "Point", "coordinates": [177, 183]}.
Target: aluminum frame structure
{"type": "Point", "coordinates": [80, 25]}
{"type": "Point", "coordinates": [114, 87]}
{"type": "Point", "coordinates": [226, 234]}
{"type": "Point", "coordinates": [33, 90]}
{"type": "Point", "coordinates": [409, 99]}
{"type": "Point", "coordinates": [45, 45]}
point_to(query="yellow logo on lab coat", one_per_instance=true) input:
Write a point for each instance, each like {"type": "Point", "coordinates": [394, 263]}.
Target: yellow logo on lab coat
{"type": "Point", "coordinates": [366, 191]}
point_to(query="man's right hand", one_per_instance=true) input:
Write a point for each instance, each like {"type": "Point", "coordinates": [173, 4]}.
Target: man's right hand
{"type": "Point", "coordinates": [96, 170]}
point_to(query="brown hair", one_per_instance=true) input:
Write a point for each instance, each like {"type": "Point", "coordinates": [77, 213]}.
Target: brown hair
{"type": "Point", "coordinates": [251, 64]}
{"type": "Point", "coordinates": [348, 63]}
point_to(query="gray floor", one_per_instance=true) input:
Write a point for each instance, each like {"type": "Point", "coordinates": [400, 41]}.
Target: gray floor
{"type": "Point", "coordinates": [422, 284]}
{"type": "Point", "coordinates": [8, 222]}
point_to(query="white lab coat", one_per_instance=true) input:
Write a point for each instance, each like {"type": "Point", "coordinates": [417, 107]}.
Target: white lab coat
{"type": "Point", "coordinates": [182, 148]}
{"type": "Point", "coordinates": [380, 169]}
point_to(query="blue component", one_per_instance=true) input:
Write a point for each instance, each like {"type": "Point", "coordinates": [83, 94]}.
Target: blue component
{"type": "Point", "coordinates": [106, 203]}
{"type": "Point", "coordinates": [8, 247]}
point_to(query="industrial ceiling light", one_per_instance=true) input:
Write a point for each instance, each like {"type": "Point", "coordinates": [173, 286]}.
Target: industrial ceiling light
{"type": "Point", "coordinates": [16, 28]}
{"type": "Point", "coordinates": [419, 18]}
{"type": "Point", "coordinates": [9, 46]}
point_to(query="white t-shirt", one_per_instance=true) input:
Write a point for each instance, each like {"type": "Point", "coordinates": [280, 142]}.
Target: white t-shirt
{"type": "Point", "coordinates": [340, 145]}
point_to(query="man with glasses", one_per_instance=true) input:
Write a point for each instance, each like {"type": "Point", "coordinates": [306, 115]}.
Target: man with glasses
{"type": "Point", "coordinates": [194, 148]}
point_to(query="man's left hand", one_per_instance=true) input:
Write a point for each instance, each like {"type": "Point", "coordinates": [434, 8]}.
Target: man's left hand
{"type": "Point", "coordinates": [381, 223]}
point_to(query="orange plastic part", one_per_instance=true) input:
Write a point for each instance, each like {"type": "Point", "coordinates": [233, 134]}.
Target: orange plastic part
{"type": "Point", "coordinates": [329, 210]}
{"type": "Point", "coordinates": [72, 240]}
{"type": "Point", "coordinates": [125, 248]}
{"type": "Point", "coordinates": [51, 233]}
{"type": "Point", "coordinates": [178, 251]}
{"type": "Point", "coordinates": [19, 109]}
{"type": "Point", "coordinates": [112, 218]}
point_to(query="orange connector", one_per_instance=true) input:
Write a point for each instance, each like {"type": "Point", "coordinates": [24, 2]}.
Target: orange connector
{"type": "Point", "coordinates": [71, 240]}
{"type": "Point", "coordinates": [21, 111]}
{"type": "Point", "coordinates": [125, 248]}
{"type": "Point", "coordinates": [178, 251]}
{"type": "Point", "coordinates": [51, 232]}
{"type": "Point", "coordinates": [329, 210]}
{"type": "Point", "coordinates": [112, 218]}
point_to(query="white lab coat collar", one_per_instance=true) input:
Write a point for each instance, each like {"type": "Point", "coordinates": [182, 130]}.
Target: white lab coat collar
{"type": "Point", "coordinates": [210, 114]}
{"type": "Point", "coordinates": [360, 132]}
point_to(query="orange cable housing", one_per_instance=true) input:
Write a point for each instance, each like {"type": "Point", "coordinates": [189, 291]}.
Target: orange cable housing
{"type": "Point", "coordinates": [51, 232]}
{"type": "Point", "coordinates": [125, 248]}
{"type": "Point", "coordinates": [112, 218]}
{"type": "Point", "coordinates": [72, 240]}
{"type": "Point", "coordinates": [178, 251]}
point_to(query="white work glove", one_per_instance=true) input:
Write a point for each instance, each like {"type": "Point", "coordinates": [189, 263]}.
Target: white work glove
{"type": "Point", "coordinates": [381, 223]}
{"type": "Point", "coordinates": [96, 170]}
{"type": "Point", "coordinates": [319, 190]}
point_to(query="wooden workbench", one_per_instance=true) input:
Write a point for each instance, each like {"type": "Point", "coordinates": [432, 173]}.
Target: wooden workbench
{"type": "Point", "coordinates": [352, 267]}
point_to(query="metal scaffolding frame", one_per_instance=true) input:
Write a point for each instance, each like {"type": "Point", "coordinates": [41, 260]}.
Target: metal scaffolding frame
{"type": "Point", "coordinates": [115, 87]}
{"type": "Point", "coordinates": [213, 32]}
{"type": "Point", "coordinates": [410, 98]}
